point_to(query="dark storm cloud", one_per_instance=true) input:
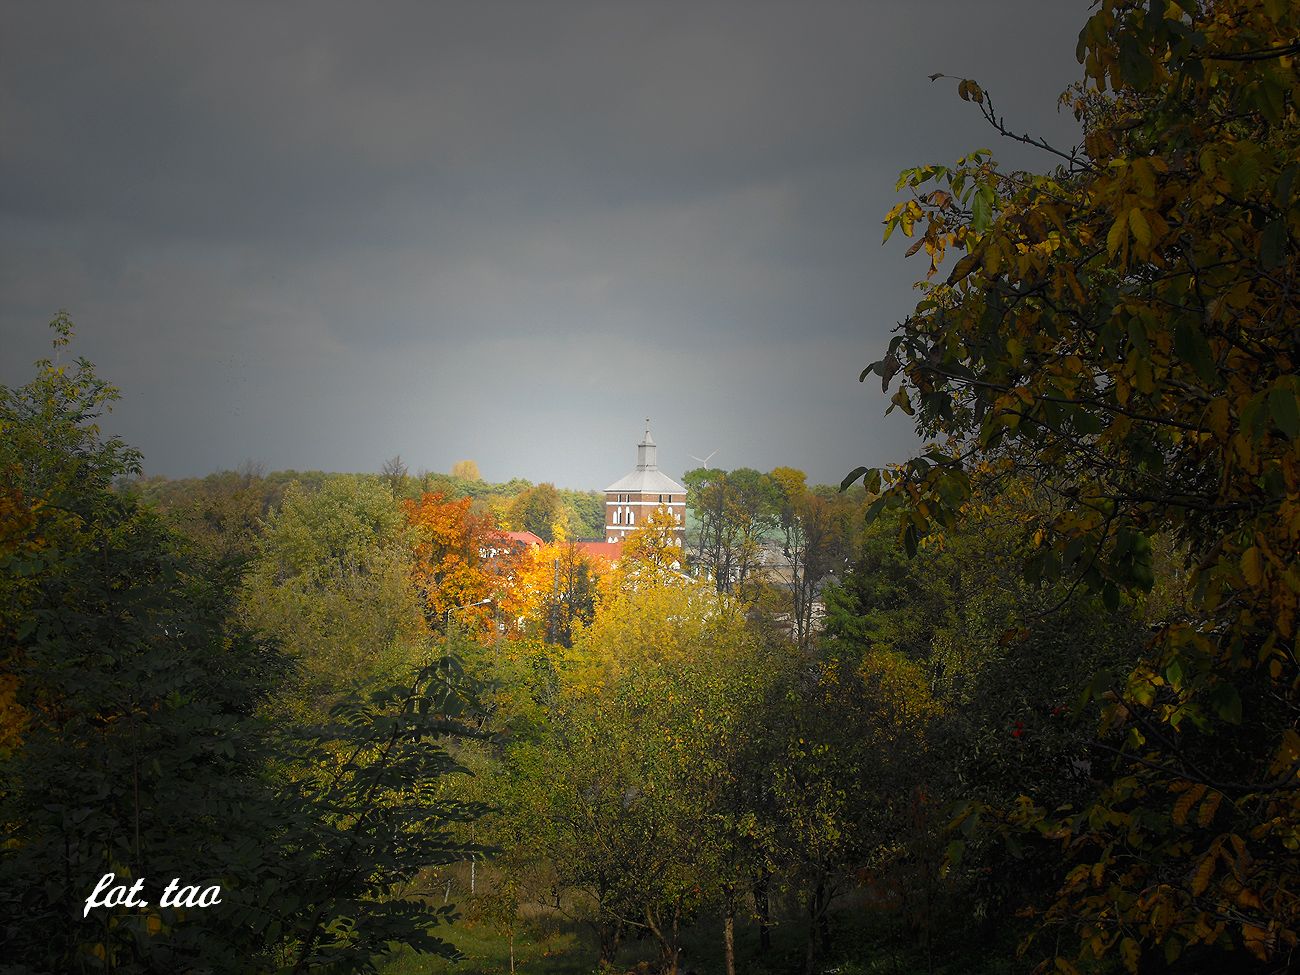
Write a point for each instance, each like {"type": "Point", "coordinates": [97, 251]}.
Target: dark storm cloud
{"type": "Point", "coordinates": [320, 234]}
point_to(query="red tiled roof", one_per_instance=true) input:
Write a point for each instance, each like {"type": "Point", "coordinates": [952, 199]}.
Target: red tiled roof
{"type": "Point", "coordinates": [611, 551]}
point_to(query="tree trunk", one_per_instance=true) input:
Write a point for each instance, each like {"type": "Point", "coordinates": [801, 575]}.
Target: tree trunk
{"type": "Point", "coordinates": [824, 921]}
{"type": "Point", "coordinates": [668, 953]}
{"type": "Point", "coordinates": [729, 941]}
{"type": "Point", "coordinates": [762, 907]}
{"type": "Point", "coordinates": [608, 935]}
{"type": "Point", "coordinates": [814, 927]}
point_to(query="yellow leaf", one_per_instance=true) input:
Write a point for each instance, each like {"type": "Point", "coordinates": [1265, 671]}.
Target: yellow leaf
{"type": "Point", "coordinates": [1130, 952]}
{"type": "Point", "coordinates": [1218, 418]}
{"type": "Point", "coordinates": [1248, 898]}
{"type": "Point", "coordinates": [1185, 802]}
{"type": "Point", "coordinates": [1201, 879]}
{"type": "Point", "coordinates": [1252, 566]}
{"type": "Point", "coordinates": [1141, 229]}
{"type": "Point", "coordinates": [1116, 236]}
{"type": "Point", "coordinates": [1208, 808]}
{"type": "Point", "coordinates": [1257, 941]}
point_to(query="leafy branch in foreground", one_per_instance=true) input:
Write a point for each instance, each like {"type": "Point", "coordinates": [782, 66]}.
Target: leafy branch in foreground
{"type": "Point", "coordinates": [376, 773]}
{"type": "Point", "coordinates": [1122, 333]}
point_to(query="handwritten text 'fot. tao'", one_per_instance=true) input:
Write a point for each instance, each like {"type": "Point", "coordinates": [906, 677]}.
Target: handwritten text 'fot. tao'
{"type": "Point", "coordinates": [108, 894]}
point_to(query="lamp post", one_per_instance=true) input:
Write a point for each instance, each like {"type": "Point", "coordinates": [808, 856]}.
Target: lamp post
{"type": "Point", "coordinates": [446, 623]}
{"type": "Point", "coordinates": [446, 632]}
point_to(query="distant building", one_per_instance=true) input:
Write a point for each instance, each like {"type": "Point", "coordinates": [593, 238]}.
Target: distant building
{"type": "Point", "coordinates": [510, 543]}
{"type": "Point", "coordinates": [524, 539]}
{"type": "Point", "coordinates": [631, 499]}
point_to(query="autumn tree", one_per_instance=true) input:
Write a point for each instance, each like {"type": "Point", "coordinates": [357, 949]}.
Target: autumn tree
{"type": "Point", "coordinates": [650, 554]}
{"type": "Point", "coordinates": [631, 788]}
{"type": "Point", "coordinates": [553, 589]}
{"type": "Point", "coordinates": [1122, 331]}
{"type": "Point", "coordinates": [466, 470]}
{"type": "Point", "coordinates": [459, 557]}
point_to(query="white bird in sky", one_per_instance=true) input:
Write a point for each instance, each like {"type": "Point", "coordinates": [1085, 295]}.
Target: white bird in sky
{"type": "Point", "coordinates": [703, 461]}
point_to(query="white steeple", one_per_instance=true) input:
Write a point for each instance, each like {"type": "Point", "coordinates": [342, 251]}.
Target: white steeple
{"type": "Point", "coordinates": [646, 451]}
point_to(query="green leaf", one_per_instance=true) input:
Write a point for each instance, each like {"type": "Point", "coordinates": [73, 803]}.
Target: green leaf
{"type": "Point", "coordinates": [851, 478]}
{"type": "Point", "coordinates": [1174, 674]}
{"type": "Point", "coordinates": [1191, 347]}
{"type": "Point", "coordinates": [1227, 702]}
{"type": "Point", "coordinates": [982, 209]}
{"type": "Point", "coordinates": [1272, 243]}
{"type": "Point", "coordinates": [1110, 596]}
{"type": "Point", "coordinates": [1282, 407]}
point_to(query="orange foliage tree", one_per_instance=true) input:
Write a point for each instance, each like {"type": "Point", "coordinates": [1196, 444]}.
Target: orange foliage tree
{"type": "Point", "coordinates": [460, 558]}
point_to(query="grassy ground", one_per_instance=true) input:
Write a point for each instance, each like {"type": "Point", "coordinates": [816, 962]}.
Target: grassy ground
{"type": "Point", "coordinates": [548, 944]}
{"type": "Point", "coordinates": [487, 951]}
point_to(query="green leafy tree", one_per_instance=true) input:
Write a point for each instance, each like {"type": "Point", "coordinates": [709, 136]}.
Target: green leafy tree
{"type": "Point", "coordinates": [331, 581]}
{"type": "Point", "coordinates": [221, 513]}
{"type": "Point", "coordinates": [630, 788]}
{"type": "Point", "coordinates": [734, 511]}
{"type": "Point", "coordinates": [816, 530]}
{"type": "Point", "coordinates": [1007, 662]}
{"type": "Point", "coordinates": [538, 510]}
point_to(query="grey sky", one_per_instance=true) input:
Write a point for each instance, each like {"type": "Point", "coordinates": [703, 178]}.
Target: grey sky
{"type": "Point", "coordinates": [315, 235]}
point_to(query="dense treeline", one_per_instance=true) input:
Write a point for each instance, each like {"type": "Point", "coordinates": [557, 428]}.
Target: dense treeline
{"type": "Point", "coordinates": [224, 508]}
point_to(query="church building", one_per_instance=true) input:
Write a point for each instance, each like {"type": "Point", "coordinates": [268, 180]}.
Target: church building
{"type": "Point", "coordinates": [631, 499]}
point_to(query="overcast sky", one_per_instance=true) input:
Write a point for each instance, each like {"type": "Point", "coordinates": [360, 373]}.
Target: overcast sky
{"type": "Point", "coordinates": [315, 235]}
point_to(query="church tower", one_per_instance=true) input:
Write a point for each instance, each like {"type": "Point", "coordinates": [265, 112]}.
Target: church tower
{"type": "Point", "coordinates": [631, 499]}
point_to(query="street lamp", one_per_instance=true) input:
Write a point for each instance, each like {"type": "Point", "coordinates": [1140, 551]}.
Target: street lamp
{"type": "Point", "coordinates": [446, 632]}
{"type": "Point", "coordinates": [446, 623]}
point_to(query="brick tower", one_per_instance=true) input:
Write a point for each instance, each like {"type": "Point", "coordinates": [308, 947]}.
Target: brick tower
{"type": "Point", "coordinates": [630, 500]}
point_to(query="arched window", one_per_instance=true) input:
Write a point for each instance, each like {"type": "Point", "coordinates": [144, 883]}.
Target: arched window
{"type": "Point", "coordinates": [631, 517]}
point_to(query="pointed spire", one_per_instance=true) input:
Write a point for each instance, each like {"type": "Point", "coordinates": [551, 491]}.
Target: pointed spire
{"type": "Point", "coordinates": [646, 451]}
